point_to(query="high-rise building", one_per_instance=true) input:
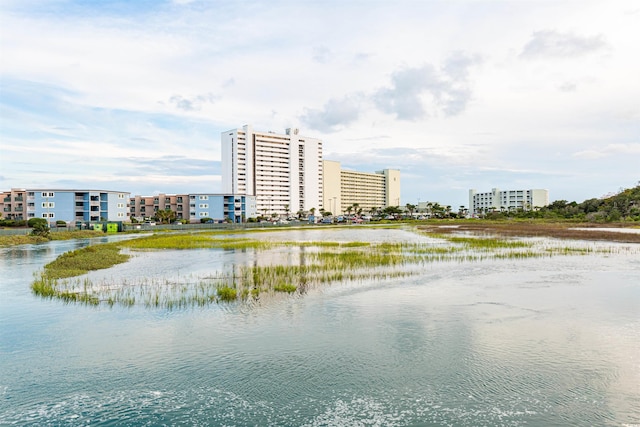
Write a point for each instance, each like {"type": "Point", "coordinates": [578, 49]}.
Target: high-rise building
{"type": "Point", "coordinates": [282, 171]}
{"type": "Point", "coordinates": [345, 188]}
{"type": "Point", "coordinates": [507, 200]}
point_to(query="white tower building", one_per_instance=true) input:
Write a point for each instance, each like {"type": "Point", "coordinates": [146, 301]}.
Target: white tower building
{"type": "Point", "coordinates": [283, 171]}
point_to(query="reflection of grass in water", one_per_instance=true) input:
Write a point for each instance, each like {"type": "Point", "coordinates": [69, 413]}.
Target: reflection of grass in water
{"type": "Point", "coordinates": [330, 262]}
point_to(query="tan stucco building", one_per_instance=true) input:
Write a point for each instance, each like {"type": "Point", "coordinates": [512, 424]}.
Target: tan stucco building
{"type": "Point", "coordinates": [343, 188]}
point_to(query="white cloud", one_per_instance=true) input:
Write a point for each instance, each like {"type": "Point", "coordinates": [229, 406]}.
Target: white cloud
{"type": "Point", "coordinates": [609, 150]}
{"type": "Point", "coordinates": [551, 43]}
{"type": "Point", "coordinates": [456, 94]}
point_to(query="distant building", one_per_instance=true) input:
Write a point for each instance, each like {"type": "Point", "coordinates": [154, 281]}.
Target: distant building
{"type": "Point", "coordinates": [282, 171]}
{"type": "Point", "coordinates": [141, 207]}
{"type": "Point", "coordinates": [497, 200]}
{"type": "Point", "coordinates": [194, 207]}
{"type": "Point", "coordinates": [220, 207]}
{"type": "Point", "coordinates": [66, 205]}
{"type": "Point", "coordinates": [344, 188]}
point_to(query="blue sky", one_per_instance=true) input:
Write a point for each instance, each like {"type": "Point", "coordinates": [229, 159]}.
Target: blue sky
{"type": "Point", "coordinates": [133, 95]}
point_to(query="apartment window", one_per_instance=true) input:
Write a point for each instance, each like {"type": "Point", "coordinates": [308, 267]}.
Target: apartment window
{"type": "Point", "coordinates": [204, 197]}
{"type": "Point", "coordinates": [121, 196]}
{"type": "Point", "coordinates": [204, 214]}
{"type": "Point", "coordinates": [48, 215]}
{"type": "Point", "coordinates": [47, 194]}
{"type": "Point", "coordinates": [121, 205]}
{"type": "Point", "coordinates": [203, 206]}
{"type": "Point", "coordinates": [120, 214]}
{"type": "Point", "coordinates": [48, 204]}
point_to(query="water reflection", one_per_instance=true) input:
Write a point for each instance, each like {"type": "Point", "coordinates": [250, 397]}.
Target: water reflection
{"type": "Point", "coordinates": [548, 341]}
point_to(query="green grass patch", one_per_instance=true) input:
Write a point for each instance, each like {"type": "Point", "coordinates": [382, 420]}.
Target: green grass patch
{"type": "Point", "coordinates": [226, 293]}
{"type": "Point", "coordinates": [81, 261]}
{"type": "Point", "coordinates": [285, 287]}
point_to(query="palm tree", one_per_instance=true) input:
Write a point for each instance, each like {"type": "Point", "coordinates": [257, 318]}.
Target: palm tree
{"type": "Point", "coordinates": [410, 208]}
{"type": "Point", "coordinates": [165, 216]}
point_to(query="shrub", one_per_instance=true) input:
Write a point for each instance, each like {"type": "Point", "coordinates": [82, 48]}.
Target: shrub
{"type": "Point", "coordinates": [41, 230]}
{"type": "Point", "coordinates": [33, 221]}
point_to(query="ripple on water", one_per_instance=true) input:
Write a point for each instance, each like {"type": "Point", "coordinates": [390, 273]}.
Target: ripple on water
{"type": "Point", "coordinates": [215, 406]}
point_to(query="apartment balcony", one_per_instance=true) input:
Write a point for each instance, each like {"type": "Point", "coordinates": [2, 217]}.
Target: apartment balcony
{"type": "Point", "coordinates": [7, 199]}
{"type": "Point", "coordinates": [18, 199]}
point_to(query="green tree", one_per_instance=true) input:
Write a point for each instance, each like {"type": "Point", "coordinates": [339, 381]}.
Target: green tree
{"type": "Point", "coordinates": [165, 216]}
{"type": "Point", "coordinates": [411, 208]}
{"type": "Point", "coordinates": [40, 228]}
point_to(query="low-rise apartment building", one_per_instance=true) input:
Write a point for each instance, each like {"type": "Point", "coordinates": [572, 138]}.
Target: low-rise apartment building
{"type": "Point", "coordinates": [194, 207]}
{"type": "Point", "coordinates": [497, 200]}
{"type": "Point", "coordinates": [66, 205]}
{"type": "Point", "coordinates": [221, 207]}
{"type": "Point", "coordinates": [143, 207]}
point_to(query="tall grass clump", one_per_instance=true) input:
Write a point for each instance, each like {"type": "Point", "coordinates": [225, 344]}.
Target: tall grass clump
{"type": "Point", "coordinates": [285, 287]}
{"type": "Point", "coordinates": [226, 293]}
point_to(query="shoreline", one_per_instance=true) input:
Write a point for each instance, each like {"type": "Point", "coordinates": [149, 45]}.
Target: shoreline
{"type": "Point", "coordinates": [573, 231]}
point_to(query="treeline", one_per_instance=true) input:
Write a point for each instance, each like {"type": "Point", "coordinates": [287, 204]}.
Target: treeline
{"type": "Point", "coordinates": [623, 206]}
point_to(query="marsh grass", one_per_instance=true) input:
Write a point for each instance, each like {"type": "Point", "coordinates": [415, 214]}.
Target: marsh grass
{"type": "Point", "coordinates": [27, 239]}
{"type": "Point", "coordinates": [81, 261]}
{"type": "Point", "coordinates": [285, 287]}
{"type": "Point", "coordinates": [326, 262]}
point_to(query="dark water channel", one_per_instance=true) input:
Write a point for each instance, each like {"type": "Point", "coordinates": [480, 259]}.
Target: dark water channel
{"type": "Point", "coordinates": [536, 342]}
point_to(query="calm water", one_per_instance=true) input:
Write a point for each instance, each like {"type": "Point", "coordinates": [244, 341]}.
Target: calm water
{"type": "Point", "coordinates": [536, 342]}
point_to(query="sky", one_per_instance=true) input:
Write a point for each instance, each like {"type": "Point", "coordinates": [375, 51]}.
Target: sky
{"type": "Point", "coordinates": [133, 95]}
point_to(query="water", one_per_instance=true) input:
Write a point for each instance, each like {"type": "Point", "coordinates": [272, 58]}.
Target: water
{"type": "Point", "coordinates": [534, 342]}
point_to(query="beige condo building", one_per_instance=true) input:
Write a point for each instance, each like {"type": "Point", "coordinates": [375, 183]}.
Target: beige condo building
{"type": "Point", "coordinates": [343, 188]}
